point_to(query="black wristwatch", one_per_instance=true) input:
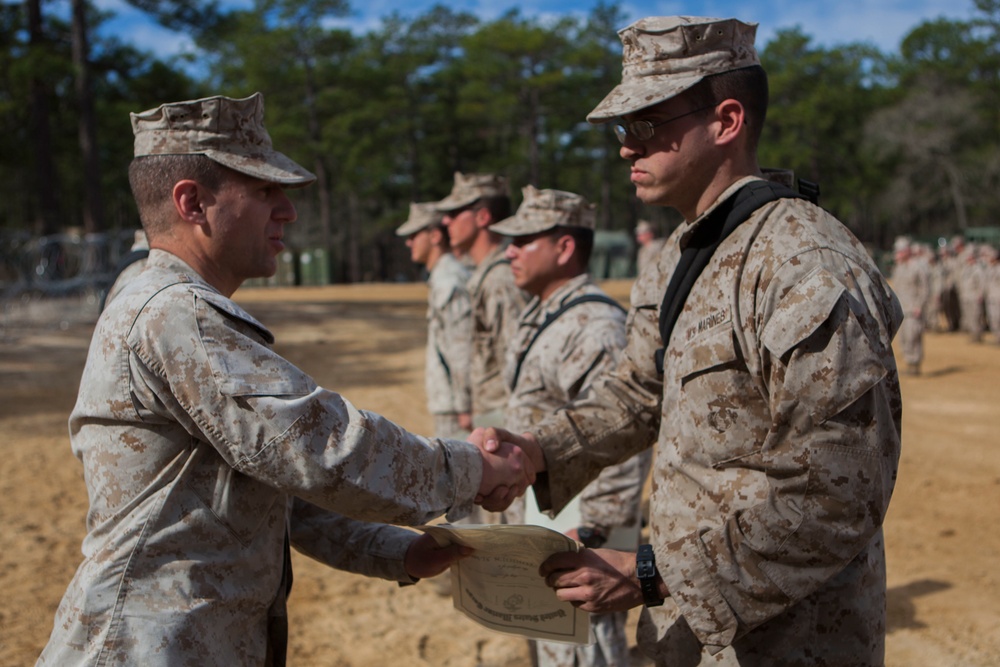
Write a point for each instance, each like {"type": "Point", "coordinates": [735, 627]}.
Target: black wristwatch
{"type": "Point", "coordinates": [645, 571]}
{"type": "Point", "coordinates": [591, 537]}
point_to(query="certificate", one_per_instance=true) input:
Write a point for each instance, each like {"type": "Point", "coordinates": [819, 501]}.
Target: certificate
{"type": "Point", "coordinates": [499, 586]}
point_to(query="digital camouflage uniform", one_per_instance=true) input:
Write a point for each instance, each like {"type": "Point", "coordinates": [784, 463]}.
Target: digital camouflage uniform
{"type": "Point", "coordinates": [648, 253]}
{"type": "Point", "coordinates": [972, 293]}
{"type": "Point", "coordinates": [202, 448]}
{"type": "Point", "coordinates": [496, 303]}
{"type": "Point", "coordinates": [777, 425]}
{"type": "Point", "coordinates": [951, 302]}
{"type": "Point", "coordinates": [993, 292]}
{"type": "Point", "coordinates": [911, 282]}
{"type": "Point", "coordinates": [130, 266]}
{"type": "Point", "coordinates": [935, 305]}
{"type": "Point", "coordinates": [449, 320]}
{"type": "Point", "coordinates": [581, 344]}
{"type": "Point", "coordinates": [449, 336]}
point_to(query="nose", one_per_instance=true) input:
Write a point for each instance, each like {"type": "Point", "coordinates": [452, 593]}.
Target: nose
{"type": "Point", "coordinates": [511, 251]}
{"type": "Point", "coordinates": [284, 210]}
{"type": "Point", "coordinates": [446, 219]}
{"type": "Point", "coordinates": [632, 149]}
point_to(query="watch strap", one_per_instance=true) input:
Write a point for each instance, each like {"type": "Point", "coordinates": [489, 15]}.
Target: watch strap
{"type": "Point", "coordinates": [645, 571]}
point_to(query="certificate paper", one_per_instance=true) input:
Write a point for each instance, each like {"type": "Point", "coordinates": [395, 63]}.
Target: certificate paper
{"type": "Point", "coordinates": [499, 587]}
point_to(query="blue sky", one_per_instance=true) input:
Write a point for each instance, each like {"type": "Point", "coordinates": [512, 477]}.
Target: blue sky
{"type": "Point", "coordinates": [880, 22]}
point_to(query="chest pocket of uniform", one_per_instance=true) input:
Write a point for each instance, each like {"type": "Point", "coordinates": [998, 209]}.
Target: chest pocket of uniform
{"type": "Point", "coordinates": [719, 407]}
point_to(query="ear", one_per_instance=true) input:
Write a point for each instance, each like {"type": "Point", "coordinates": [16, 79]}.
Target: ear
{"type": "Point", "coordinates": [190, 201]}
{"type": "Point", "coordinates": [437, 236]}
{"type": "Point", "coordinates": [732, 121]}
{"type": "Point", "coordinates": [483, 217]}
{"type": "Point", "coordinates": [565, 248]}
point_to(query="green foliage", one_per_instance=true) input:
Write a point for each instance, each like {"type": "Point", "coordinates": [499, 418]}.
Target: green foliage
{"type": "Point", "coordinates": [898, 142]}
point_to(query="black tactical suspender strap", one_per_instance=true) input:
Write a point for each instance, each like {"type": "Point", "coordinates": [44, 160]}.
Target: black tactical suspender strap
{"type": "Point", "coordinates": [489, 268]}
{"type": "Point", "coordinates": [721, 222]}
{"type": "Point", "coordinates": [553, 316]}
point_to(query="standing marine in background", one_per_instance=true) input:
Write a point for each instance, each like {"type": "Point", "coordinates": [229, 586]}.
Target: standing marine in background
{"type": "Point", "coordinates": [476, 202]}
{"type": "Point", "coordinates": [649, 242]}
{"type": "Point", "coordinates": [911, 281]}
{"type": "Point", "coordinates": [449, 322]}
{"type": "Point", "coordinates": [569, 333]}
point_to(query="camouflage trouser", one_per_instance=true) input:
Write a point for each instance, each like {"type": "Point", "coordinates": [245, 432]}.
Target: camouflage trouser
{"type": "Point", "coordinates": [972, 318]}
{"type": "Point", "coordinates": [951, 308]}
{"type": "Point", "coordinates": [911, 339]}
{"type": "Point", "coordinates": [610, 647]}
{"type": "Point", "coordinates": [513, 515]}
{"type": "Point", "coordinates": [993, 316]}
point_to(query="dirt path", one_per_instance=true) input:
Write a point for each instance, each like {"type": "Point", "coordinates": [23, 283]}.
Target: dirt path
{"type": "Point", "coordinates": [367, 342]}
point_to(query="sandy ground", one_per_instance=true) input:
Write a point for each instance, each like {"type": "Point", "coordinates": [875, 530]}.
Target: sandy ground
{"type": "Point", "coordinates": [366, 342]}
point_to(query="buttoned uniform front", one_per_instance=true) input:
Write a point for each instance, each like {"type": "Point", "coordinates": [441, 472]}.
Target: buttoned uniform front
{"type": "Point", "coordinates": [449, 345]}
{"type": "Point", "coordinates": [202, 448]}
{"type": "Point", "coordinates": [777, 425]}
{"type": "Point", "coordinates": [581, 344]}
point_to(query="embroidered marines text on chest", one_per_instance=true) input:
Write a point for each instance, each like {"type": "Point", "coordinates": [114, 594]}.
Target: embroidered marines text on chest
{"type": "Point", "coordinates": [710, 321]}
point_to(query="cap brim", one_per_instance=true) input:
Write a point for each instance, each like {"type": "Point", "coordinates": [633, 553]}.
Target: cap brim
{"type": "Point", "coordinates": [638, 94]}
{"type": "Point", "coordinates": [412, 227]}
{"type": "Point", "coordinates": [451, 203]}
{"type": "Point", "coordinates": [515, 226]}
{"type": "Point", "coordinates": [270, 166]}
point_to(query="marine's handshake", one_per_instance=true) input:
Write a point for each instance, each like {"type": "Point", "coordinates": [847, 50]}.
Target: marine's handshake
{"type": "Point", "coordinates": [510, 465]}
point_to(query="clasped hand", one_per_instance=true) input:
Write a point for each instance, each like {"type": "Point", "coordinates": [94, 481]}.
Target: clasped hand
{"type": "Point", "coordinates": [510, 464]}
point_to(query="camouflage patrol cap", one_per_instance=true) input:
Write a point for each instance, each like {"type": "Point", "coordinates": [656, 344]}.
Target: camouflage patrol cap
{"type": "Point", "coordinates": [226, 130]}
{"type": "Point", "coordinates": [469, 188]}
{"type": "Point", "coordinates": [663, 56]}
{"type": "Point", "coordinates": [421, 217]}
{"type": "Point", "coordinates": [543, 210]}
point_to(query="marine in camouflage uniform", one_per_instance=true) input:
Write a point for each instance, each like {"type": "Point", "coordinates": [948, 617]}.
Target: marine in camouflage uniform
{"type": "Point", "coordinates": [933, 314]}
{"type": "Point", "coordinates": [476, 202]}
{"type": "Point", "coordinates": [449, 322]}
{"type": "Point", "coordinates": [972, 293]}
{"type": "Point", "coordinates": [129, 267]}
{"type": "Point", "coordinates": [205, 454]}
{"type": "Point", "coordinates": [992, 264]}
{"type": "Point", "coordinates": [650, 245]}
{"type": "Point", "coordinates": [777, 415]}
{"type": "Point", "coordinates": [951, 266]}
{"type": "Point", "coordinates": [911, 282]}
{"type": "Point", "coordinates": [549, 367]}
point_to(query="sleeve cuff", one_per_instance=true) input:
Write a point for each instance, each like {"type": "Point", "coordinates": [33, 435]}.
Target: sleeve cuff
{"type": "Point", "coordinates": [466, 466]}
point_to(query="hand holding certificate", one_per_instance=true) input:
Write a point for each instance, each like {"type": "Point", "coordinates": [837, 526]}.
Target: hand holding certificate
{"type": "Point", "coordinates": [499, 586]}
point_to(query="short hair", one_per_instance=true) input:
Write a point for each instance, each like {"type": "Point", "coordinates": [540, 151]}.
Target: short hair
{"type": "Point", "coordinates": [152, 179]}
{"type": "Point", "coordinates": [445, 236]}
{"type": "Point", "coordinates": [748, 85]}
{"type": "Point", "coordinates": [498, 206]}
{"type": "Point", "coordinates": [584, 240]}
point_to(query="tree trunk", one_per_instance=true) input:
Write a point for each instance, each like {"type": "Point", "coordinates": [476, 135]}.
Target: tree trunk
{"type": "Point", "coordinates": [93, 213]}
{"type": "Point", "coordinates": [45, 181]}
